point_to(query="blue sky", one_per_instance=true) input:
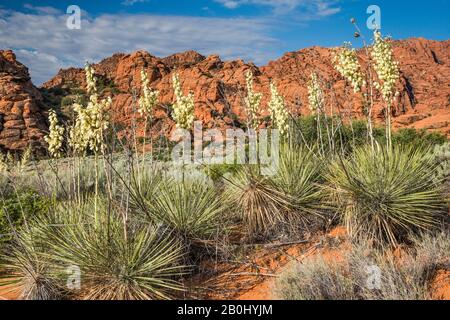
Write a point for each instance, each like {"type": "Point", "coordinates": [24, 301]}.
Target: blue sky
{"type": "Point", "coordinates": [254, 30]}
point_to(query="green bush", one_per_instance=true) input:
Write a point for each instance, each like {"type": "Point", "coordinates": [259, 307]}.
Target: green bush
{"type": "Point", "coordinates": [15, 208]}
{"type": "Point", "coordinates": [347, 137]}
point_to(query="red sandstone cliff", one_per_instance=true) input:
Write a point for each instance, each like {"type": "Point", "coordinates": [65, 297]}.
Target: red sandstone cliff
{"type": "Point", "coordinates": [219, 88]}
{"type": "Point", "coordinates": [22, 113]}
{"type": "Point", "coordinates": [218, 85]}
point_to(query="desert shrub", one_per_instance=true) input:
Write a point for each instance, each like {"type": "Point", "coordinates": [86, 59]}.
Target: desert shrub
{"type": "Point", "coordinates": [117, 260]}
{"type": "Point", "coordinates": [314, 279]}
{"type": "Point", "coordinates": [442, 157]}
{"type": "Point", "coordinates": [387, 195]}
{"type": "Point", "coordinates": [350, 136]}
{"type": "Point", "coordinates": [407, 276]}
{"type": "Point", "coordinates": [67, 101]}
{"type": "Point", "coordinates": [411, 136]}
{"type": "Point", "coordinates": [18, 207]}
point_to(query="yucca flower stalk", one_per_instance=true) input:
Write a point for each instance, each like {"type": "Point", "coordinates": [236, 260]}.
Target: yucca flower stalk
{"type": "Point", "coordinates": [183, 108]}
{"type": "Point", "coordinates": [316, 102]}
{"type": "Point", "coordinates": [55, 138]}
{"type": "Point", "coordinates": [147, 102]}
{"type": "Point", "coordinates": [91, 123]}
{"type": "Point", "coordinates": [252, 102]}
{"type": "Point", "coordinates": [388, 73]}
{"type": "Point", "coordinates": [278, 111]}
{"type": "Point", "coordinates": [347, 64]}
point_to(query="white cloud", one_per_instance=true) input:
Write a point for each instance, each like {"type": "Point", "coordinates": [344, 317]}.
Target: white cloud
{"type": "Point", "coordinates": [309, 8]}
{"type": "Point", "coordinates": [41, 10]}
{"type": "Point", "coordinates": [43, 42]}
{"type": "Point", "coordinates": [131, 2]}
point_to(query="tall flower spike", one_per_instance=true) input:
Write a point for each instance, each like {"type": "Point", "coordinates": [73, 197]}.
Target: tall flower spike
{"type": "Point", "coordinates": [315, 94]}
{"type": "Point", "coordinates": [149, 99]}
{"type": "Point", "coordinates": [183, 108]}
{"type": "Point", "coordinates": [252, 102]}
{"type": "Point", "coordinates": [385, 66]}
{"type": "Point", "coordinates": [278, 112]}
{"type": "Point", "coordinates": [347, 64]}
{"type": "Point", "coordinates": [90, 80]}
{"type": "Point", "coordinates": [55, 137]}
{"type": "Point", "coordinates": [92, 121]}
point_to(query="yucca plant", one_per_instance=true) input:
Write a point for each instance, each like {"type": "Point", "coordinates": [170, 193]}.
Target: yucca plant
{"type": "Point", "coordinates": [388, 194]}
{"type": "Point", "coordinates": [190, 207]}
{"type": "Point", "coordinates": [256, 200]}
{"type": "Point", "coordinates": [26, 270]}
{"type": "Point", "coordinates": [299, 177]}
{"type": "Point", "coordinates": [117, 261]}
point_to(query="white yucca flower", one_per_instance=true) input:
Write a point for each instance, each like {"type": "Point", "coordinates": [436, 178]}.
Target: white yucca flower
{"type": "Point", "coordinates": [149, 99]}
{"type": "Point", "coordinates": [183, 108]}
{"type": "Point", "coordinates": [252, 102]}
{"type": "Point", "coordinates": [78, 139]}
{"type": "Point", "coordinates": [278, 112]}
{"type": "Point", "coordinates": [385, 66]}
{"type": "Point", "coordinates": [315, 94]}
{"type": "Point", "coordinates": [90, 79]}
{"type": "Point", "coordinates": [97, 121]}
{"type": "Point", "coordinates": [91, 121]}
{"type": "Point", "coordinates": [55, 138]}
{"type": "Point", "coordinates": [347, 64]}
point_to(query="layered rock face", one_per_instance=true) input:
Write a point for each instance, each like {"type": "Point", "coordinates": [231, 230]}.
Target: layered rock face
{"type": "Point", "coordinates": [219, 86]}
{"type": "Point", "coordinates": [22, 113]}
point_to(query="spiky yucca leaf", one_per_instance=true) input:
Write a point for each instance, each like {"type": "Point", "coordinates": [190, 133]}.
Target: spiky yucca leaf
{"type": "Point", "coordinates": [385, 195]}
{"type": "Point", "coordinates": [256, 200]}
{"type": "Point", "coordinates": [26, 270]}
{"type": "Point", "coordinates": [299, 176]}
{"type": "Point", "coordinates": [117, 261]}
{"type": "Point", "coordinates": [190, 207]}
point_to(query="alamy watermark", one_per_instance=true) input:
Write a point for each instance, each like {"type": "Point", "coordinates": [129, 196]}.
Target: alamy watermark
{"type": "Point", "coordinates": [73, 21]}
{"type": "Point", "coordinates": [231, 146]}
{"type": "Point", "coordinates": [373, 281]}
{"type": "Point", "coordinates": [374, 20]}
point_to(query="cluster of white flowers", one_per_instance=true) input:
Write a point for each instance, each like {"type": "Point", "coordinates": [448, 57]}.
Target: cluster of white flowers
{"type": "Point", "coordinates": [149, 99]}
{"type": "Point", "coordinates": [55, 137]}
{"type": "Point", "coordinates": [92, 121]}
{"type": "Point", "coordinates": [252, 101]}
{"type": "Point", "coordinates": [386, 67]}
{"type": "Point", "coordinates": [183, 108]}
{"type": "Point", "coordinates": [278, 112]}
{"type": "Point", "coordinates": [315, 94]}
{"type": "Point", "coordinates": [91, 80]}
{"type": "Point", "coordinates": [347, 64]}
